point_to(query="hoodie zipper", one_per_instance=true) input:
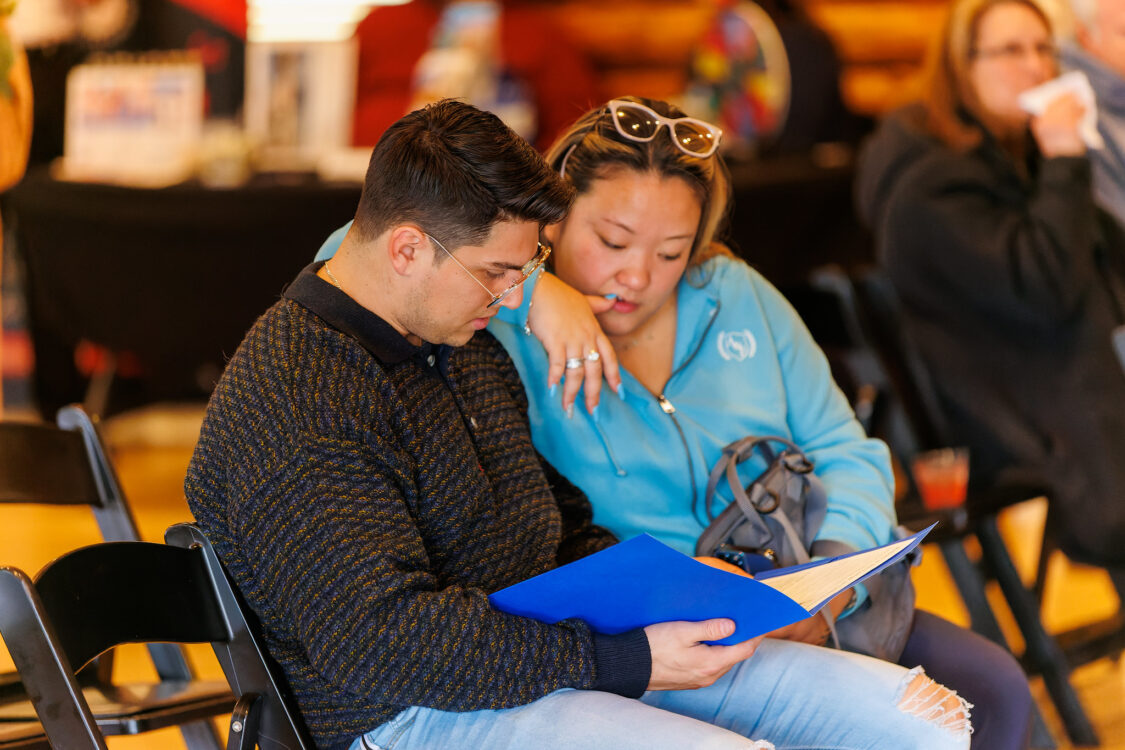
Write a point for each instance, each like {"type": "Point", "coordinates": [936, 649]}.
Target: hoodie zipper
{"type": "Point", "coordinates": [669, 408]}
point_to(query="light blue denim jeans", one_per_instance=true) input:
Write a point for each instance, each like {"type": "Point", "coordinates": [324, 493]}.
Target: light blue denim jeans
{"type": "Point", "coordinates": [795, 696]}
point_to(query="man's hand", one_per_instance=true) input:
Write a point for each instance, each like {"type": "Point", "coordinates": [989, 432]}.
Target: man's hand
{"type": "Point", "coordinates": [681, 661]}
{"type": "Point", "coordinates": [814, 629]}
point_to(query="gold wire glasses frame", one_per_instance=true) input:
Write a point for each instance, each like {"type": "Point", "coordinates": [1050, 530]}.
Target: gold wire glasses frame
{"type": "Point", "coordinates": [1016, 51]}
{"type": "Point", "coordinates": [525, 270]}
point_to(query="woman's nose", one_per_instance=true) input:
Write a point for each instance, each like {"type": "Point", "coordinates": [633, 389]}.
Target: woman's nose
{"type": "Point", "coordinates": [634, 276]}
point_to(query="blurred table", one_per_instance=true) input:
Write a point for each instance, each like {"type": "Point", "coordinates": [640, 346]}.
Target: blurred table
{"type": "Point", "coordinates": [173, 277]}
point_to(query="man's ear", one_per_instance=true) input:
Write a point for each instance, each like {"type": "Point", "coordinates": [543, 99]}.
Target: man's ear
{"type": "Point", "coordinates": [407, 251]}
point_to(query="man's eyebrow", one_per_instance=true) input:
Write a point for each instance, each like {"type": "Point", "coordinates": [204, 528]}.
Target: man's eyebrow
{"type": "Point", "coordinates": [505, 266]}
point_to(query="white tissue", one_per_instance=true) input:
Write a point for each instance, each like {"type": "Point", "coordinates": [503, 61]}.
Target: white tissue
{"type": "Point", "coordinates": [1034, 102]}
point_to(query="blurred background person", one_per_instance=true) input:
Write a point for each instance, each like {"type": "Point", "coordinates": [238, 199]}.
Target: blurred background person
{"type": "Point", "coordinates": [15, 124]}
{"type": "Point", "coordinates": [1098, 50]}
{"type": "Point", "coordinates": [1010, 277]}
{"type": "Point", "coordinates": [531, 68]}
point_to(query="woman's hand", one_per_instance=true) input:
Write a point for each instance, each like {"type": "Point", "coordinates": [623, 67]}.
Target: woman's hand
{"type": "Point", "coordinates": [814, 629]}
{"type": "Point", "coordinates": [562, 318]}
{"type": "Point", "coordinates": [715, 562]}
{"type": "Point", "coordinates": [1057, 129]}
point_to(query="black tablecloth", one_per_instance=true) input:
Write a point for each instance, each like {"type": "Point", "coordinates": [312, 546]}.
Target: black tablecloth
{"type": "Point", "coordinates": [174, 276]}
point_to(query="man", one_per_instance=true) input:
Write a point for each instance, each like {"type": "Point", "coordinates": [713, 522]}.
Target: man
{"type": "Point", "coordinates": [1098, 49]}
{"type": "Point", "coordinates": [365, 471]}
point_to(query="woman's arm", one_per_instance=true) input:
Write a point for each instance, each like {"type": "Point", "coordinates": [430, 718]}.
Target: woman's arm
{"type": "Point", "coordinates": [563, 319]}
{"type": "Point", "coordinates": [855, 469]}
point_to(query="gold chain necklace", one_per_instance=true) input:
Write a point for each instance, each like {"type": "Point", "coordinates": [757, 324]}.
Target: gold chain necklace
{"type": "Point", "coordinates": [332, 276]}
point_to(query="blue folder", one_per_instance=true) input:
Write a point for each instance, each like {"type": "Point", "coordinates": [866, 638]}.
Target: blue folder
{"type": "Point", "coordinates": [643, 581]}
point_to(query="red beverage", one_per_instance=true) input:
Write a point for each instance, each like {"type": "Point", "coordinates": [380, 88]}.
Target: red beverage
{"type": "Point", "coordinates": [942, 477]}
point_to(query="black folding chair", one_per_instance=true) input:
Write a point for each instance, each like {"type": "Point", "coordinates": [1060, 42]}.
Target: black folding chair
{"type": "Point", "coordinates": [101, 596]}
{"type": "Point", "coordinates": [67, 464]}
{"type": "Point", "coordinates": [921, 426]}
{"type": "Point", "coordinates": [888, 407]}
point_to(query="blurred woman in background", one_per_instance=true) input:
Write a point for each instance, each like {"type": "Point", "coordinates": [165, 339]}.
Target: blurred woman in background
{"type": "Point", "coordinates": [1010, 277]}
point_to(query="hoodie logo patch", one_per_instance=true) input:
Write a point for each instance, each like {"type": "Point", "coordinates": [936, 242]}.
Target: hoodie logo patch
{"type": "Point", "coordinates": [737, 345]}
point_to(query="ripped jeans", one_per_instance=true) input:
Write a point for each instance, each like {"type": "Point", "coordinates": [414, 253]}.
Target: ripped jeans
{"type": "Point", "coordinates": [795, 696]}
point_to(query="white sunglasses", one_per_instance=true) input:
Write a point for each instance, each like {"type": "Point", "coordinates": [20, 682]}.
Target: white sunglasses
{"type": "Point", "coordinates": [640, 123]}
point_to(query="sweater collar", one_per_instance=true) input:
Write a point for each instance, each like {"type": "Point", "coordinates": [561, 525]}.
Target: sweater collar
{"type": "Point", "coordinates": [346, 315]}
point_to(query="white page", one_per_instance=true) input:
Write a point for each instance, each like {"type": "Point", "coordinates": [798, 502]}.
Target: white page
{"type": "Point", "coordinates": [813, 586]}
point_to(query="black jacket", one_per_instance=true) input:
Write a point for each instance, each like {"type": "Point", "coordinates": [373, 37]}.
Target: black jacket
{"type": "Point", "coordinates": [1011, 287]}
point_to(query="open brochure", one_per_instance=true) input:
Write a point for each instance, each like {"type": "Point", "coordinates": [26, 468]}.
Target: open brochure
{"type": "Point", "coordinates": [642, 581]}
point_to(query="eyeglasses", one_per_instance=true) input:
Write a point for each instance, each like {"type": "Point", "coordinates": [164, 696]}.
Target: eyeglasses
{"type": "Point", "coordinates": [526, 270]}
{"type": "Point", "coordinates": [640, 123]}
{"type": "Point", "coordinates": [1015, 51]}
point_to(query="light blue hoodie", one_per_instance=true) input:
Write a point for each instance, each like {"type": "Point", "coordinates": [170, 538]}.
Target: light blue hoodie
{"type": "Point", "coordinates": [744, 364]}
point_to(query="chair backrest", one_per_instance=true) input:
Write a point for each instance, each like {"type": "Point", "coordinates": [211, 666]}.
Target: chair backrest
{"type": "Point", "coordinates": [827, 305]}
{"type": "Point", "coordinates": [68, 464]}
{"type": "Point", "coordinates": [112, 593]}
{"type": "Point", "coordinates": [281, 724]}
{"type": "Point", "coordinates": [911, 377]}
{"type": "Point", "coordinates": [879, 387]}
{"type": "Point", "coordinates": [64, 464]}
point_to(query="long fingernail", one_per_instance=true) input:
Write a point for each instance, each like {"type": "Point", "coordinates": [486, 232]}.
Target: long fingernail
{"type": "Point", "coordinates": [570, 412]}
{"type": "Point", "coordinates": [610, 296]}
{"type": "Point", "coordinates": [553, 390]}
{"type": "Point", "coordinates": [621, 391]}
{"type": "Point", "coordinates": [594, 414]}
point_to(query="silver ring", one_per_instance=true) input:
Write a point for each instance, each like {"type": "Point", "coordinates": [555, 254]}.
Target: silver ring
{"type": "Point", "coordinates": [573, 363]}
{"type": "Point", "coordinates": [593, 356]}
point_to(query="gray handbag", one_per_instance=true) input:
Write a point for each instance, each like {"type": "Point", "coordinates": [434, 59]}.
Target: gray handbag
{"type": "Point", "coordinates": [770, 523]}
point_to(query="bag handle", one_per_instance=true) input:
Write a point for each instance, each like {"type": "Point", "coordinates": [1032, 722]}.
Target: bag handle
{"type": "Point", "coordinates": [791, 461]}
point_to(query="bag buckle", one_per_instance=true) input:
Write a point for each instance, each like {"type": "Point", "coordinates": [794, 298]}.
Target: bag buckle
{"type": "Point", "coordinates": [797, 463]}
{"type": "Point", "coordinates": [749, 559]}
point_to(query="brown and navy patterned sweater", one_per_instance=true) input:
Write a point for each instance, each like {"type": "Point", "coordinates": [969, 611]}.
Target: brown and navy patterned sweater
{"type": "Point", "coordinates": [367, 495]}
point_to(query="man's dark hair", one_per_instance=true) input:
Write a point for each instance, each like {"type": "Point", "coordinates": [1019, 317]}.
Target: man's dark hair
{"type": "Point", "coordinates": [455, 170]}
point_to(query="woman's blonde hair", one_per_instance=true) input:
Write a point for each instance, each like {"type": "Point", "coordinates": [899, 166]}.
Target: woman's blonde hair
{"type": "Point", "coordinates": [953, 112]}
{"type": "Point", "coordinates": [593, 149]}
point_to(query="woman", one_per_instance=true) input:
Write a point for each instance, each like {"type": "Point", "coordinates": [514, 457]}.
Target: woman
{"type": "Point", "coordinates": [710, 353]}
{"type": "Point", "coordinates": [1010, 277]}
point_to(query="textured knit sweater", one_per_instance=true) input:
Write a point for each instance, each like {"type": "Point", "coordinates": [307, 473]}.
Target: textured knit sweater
{"type": "Point", "coordinates": [366, 495]}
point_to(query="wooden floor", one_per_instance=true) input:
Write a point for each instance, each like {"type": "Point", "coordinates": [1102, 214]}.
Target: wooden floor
{"type": "Point", "coordinates": [151, 451]}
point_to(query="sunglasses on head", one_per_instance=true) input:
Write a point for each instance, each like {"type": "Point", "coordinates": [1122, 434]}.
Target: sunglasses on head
{"type": "Point", "coordinates": [636, 122]}
{"type": "Point", "coordinates": [640, 123]}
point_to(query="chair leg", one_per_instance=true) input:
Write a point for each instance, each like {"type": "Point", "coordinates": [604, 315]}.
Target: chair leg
{"type": "Point", "coordinates": [970, 584]}
{"type": "Point", "coordinates": [201, 735]}
{"type": "Point", "coordinates": [244, 719]}
{"type": "Point", "coordinates": [1044, 652]}
{"type": "Point", "coordinates": [1041, 738]}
